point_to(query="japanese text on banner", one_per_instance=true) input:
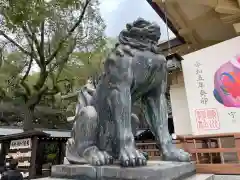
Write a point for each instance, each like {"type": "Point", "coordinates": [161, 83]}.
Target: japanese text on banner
{"type": "Point", "coordinates": [201, 83]}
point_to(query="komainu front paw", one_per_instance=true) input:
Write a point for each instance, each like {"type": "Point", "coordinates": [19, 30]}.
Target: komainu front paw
{"type": "Point", "coordinates": [131, 157]}
{"type": "Point", "coordinates": [96, 157]}
{"type": "Point", "coordinates": [172, 153]}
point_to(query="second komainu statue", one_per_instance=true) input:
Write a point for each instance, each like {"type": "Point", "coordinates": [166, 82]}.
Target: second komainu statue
{"type": "Point", "coordinates": [103, 130]}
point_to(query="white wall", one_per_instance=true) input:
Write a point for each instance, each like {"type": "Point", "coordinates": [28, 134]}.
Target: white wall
{"type": "Point", "coordinates": [180, 111]}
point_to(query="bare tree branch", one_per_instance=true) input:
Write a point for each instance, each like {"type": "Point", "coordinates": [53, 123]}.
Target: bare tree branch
{"type": "Point", "coordinates": [33, 37]}
{"type": "Point", "coordinates": [60, 64]}
{"type": "Point", "coordinates": [42, 56]}
{"type": "Point", "coordinates": [29, 38]}
{"type": "Point", "coordinates": [15, 43]}
{"type": "Point", "coordinates": [35, 98]}
{"type": "Point", "coordinates": [63, 40]}
{"type": "Point", "coordinates": [41, 80]}
{"type": "Point", "coordinates": [28, 70]}
{"type": "Point", "coordinates": [26, 88]}
{"type": "Point", "coordinates": [63, 60]}
{"type": "Point", "coordinates": [22, 82]}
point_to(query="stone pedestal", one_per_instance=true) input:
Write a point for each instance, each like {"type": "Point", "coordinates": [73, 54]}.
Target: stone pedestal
{"type": "Point", "coordinates": [155, 170]}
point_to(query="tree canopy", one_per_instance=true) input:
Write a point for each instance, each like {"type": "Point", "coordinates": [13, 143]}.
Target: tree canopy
{"type": "Point", "coordinates": [46, 47]}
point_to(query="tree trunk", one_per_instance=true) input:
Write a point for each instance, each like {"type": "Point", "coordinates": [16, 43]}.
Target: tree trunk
{"type": "Point", "coordinates": [28, 118]}
{"type": "Point", "coordinates": [29, 110]}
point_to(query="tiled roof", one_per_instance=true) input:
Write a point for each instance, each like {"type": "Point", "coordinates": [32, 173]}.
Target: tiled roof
{"type": "Point", "coordinates": [53, 132]}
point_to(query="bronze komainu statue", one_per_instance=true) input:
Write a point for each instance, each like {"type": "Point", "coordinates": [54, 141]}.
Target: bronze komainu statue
{"type": "Point", "coordinates": [103, 127]}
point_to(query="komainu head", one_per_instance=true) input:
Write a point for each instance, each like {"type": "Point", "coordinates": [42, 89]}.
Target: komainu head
{"type": "Point", "coordinates": [140, 34]}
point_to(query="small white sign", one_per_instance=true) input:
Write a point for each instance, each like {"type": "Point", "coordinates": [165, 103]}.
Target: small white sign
{"type": "Point", "coordinates": [24, 164]}
{"type": "Point", "coordinates": [21, 143]}
{"type": "Point", "coordinates": [20, 155]}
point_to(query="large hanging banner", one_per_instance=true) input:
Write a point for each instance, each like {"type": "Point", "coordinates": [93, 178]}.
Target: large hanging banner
{"type": "Point", "coordinates": [21, 143]}
{"type": "Point", "coordinates": [212, 82]}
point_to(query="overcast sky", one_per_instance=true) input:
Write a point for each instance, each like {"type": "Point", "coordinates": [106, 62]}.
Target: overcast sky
{"type": "Point", "coordinates": [117, 13]}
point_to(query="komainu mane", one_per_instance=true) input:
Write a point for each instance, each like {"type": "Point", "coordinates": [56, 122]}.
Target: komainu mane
{"type": "Point", "coordinates": [103, 127]}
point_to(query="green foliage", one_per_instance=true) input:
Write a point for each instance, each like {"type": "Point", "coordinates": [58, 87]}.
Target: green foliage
{"type": "Point", "coordinates": [10, 70]}
{"type": "Point", "coordinates": [50, 152]}
{"type": "Point", "coordinates": [51, 36]}
{"type": "Point", "coordinates": [51, 157]}
{"type": "Point", "coordinates": [19, 12]}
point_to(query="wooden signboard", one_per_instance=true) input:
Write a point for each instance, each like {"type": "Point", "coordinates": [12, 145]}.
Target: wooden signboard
{"type": "Point", "coordinates": [21, 143]}
{"type": "Point", "coordinates": [20, 149]}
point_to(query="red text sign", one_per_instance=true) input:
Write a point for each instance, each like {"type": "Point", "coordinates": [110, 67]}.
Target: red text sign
{"type": "Point", "coordinates": [207, 119]}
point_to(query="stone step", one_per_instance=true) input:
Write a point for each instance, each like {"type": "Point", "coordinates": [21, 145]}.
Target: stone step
{"type": "Point", "coordinates": [227, 177]}
{"type": "Point", "coordinates": [49, 178]}
{"type": "Point", "coordinates": [155, 170]}
{"type": "Point", "coordinates": [201, 177]}
{"type": "Point", "coordinates": [194, 177]}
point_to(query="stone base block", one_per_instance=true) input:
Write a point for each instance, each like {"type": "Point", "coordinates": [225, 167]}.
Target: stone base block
{"type": "Point", "coordinates": [155, 170]}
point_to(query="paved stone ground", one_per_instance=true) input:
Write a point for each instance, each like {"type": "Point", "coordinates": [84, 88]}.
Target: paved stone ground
{"type": "Point", "coordinates": [201, 177]}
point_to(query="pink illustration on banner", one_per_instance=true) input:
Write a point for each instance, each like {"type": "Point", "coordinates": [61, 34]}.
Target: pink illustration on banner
{"type": "Point", "coordinates": [207, 119]}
